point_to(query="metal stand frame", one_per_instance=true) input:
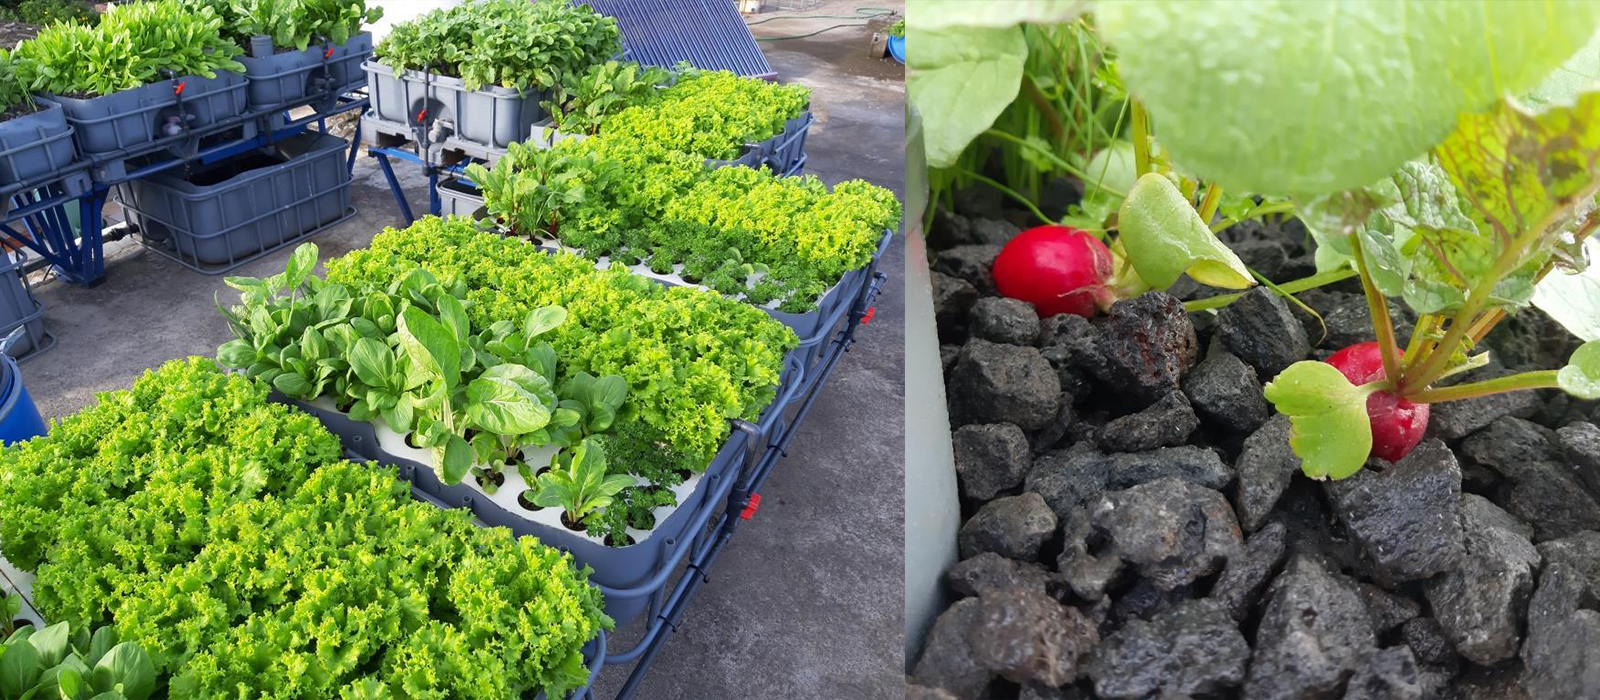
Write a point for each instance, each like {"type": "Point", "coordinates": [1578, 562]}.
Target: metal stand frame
{"type": "Point", "coordinates": [38, 218]}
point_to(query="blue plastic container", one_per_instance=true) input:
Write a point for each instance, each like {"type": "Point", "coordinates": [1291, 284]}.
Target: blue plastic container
{"type": "Point", "coordinates": [897, 48]}
{"type": "Point", "coordinates": [19, 418]}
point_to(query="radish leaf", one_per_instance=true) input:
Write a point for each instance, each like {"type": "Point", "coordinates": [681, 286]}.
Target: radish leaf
{"type": "Point", "coordinates": [1581, 376]}
{"type": "Point", "coordinates": [1330, 429]}
{"type": "Point", "coordinates": [961, 79]}
{"type": "Point", "coordinates": [1165, 238]}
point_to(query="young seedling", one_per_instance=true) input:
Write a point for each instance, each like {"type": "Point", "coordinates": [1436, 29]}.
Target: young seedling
{"type": "Point", "coordinates": [1462, 236]}
{"type": "Point", "coordinates": [577, 483]}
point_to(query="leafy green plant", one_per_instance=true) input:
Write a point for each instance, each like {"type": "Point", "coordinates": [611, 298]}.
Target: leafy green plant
{"type": "Point", "coordinates": [710, 114]}
{"type": "Point", "coordinates": [132, 45]}
{"type": "Point", "coordinates": [294, 24]}
{"type": "Point", "coordinates": [531, 189]}
{"type": "Point", "coordinates": [511, 43]}
{"type": "Point", "coordinates": [45, 12]}
{"type": "Point", "coordinates": [608, 88]}
{"type": "Point", "coordinates": [247, 554]}
{"type": "Point", "coordinates": [71, 664]}
{"type": "Point", "coordinates": [898, 28]}
{"type": "Point", "coordinates": [577, 483]}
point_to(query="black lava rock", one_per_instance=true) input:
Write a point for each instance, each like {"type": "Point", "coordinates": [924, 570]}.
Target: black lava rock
{"type": "Point", "coordinates": [1168, 530]}
{"type": "Point", "coordinates": [979, 201]}
{"type": "Point", "coordinates": [1148, 345]}
{"type": "Point", "coordinates": [1388, 674]}
{"type": "Point", "coordinates": [1386, 609]}
{"type": "Point", "coordinates": [1003, 320]}
{"type": "Point", "coordinates": [1453, 420]}
{"type": "Point", "coordinates": [1404, 517]}
{"type": "Point", "coordinates": [949, 230]}
{"type": "Point", "coordinates": [1427, 640]}
{"type": "Point", "coordinates": [1266, 465]}
{"type": "Point", "coordinates": [1028, 637]}
{"type": "Point", "coordinates": [1259, 329]}
{"type": "Point", "coordinates": [993, 231]}
{"type": "Point", "coordinates": [1013, 527]}
{"type": "Point", "coordinates": [1167, 422]}
{"type": "Point", "coordinates": [1244, 577]}
{"type": "Point", "coordinates": [1349, 322]}
{"type": "Point", "coordinates": [1003, 383]}
{"type": "Point", "coordinates": [1581, 551]}
{"type": "Point", "coordinates": [1580, 441]}
{"type": "Point", "coordinates": [988, 573]}
{"type": "Point", "coordinates": [1562, 654]}
{"type": "Point", "coordinates": [971, 263]}
{"type": "Point", "coordinates": [1192, 649]}
{"type": "Point", "coordinates": [953, 298]}
{"type": "Point", "coordinates": [1480, 604]}
{"type": "Point", "coordinates": [1225, 392]}
{"type": "Point", "coordinates": [1545, 492]}
{"type": "Point", "coordinates": [947, 661]}
{"type": "Point", "coordinates": [1313, 635]}
{"type": "Point", "coordinates": [990, 459]}
{"type": "Point", "coordinates": [1072, 479]}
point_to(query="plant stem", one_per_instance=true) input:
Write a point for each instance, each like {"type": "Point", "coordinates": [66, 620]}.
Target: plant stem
{"type": "Point", "coordinates": [1484, 324]}
{"type": "Point", "coordinates": [1542, 379]}
{"type": "Point", "coordinates": [1208, 206]}
{"type": "Point", "coordinates": [1051, 117]}
{"type": "Point", "coordinates": [1257, 211]}
{"type": "Point", "coordinates": [1291, 287]}
{"type": "Point", "coordinates": [1141, 139]}
{"type": "Point", "coordinates": [1378, 308]}
{"type": "Point", "coordinates": [1009, 192]}
{"type": "Point", "coordinates": [1419, 334]}
{"type": "Point", "coordinates": [1049, 154]}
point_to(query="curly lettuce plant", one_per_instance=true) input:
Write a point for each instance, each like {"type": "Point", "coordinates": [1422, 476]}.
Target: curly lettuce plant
{"type": "Point", "coordinates": [133, 44]}
{"type": "Point", "coordinates": [527, 46]}
{"type": "Point", "coordinates": [711, 114]}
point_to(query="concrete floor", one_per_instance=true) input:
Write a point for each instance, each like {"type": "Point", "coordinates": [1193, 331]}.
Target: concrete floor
{"type": "Point", "coordinates": [806, 600]}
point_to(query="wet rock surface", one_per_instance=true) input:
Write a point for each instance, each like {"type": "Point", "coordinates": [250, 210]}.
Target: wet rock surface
{"type": "Point", "coordinates": [1470, 570]}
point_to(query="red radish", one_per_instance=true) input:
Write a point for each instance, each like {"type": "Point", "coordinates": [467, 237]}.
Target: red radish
{"type": "Point", "coordinates": [1397, 424]}
{"type": "Point", "coordinates": [1059, 270]}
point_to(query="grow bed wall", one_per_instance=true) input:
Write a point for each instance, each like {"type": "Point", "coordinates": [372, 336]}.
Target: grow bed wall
{"type": "Point", "coordinates": [37, 144]}
{"type": "Point", "coordinates": [18, 308]}
{"type": "Point", "coordinates": [129, 119]}
{"type": "Point", "coordinates": [282, 78]}
{"type": "Point", "coordinates": [491, 117]}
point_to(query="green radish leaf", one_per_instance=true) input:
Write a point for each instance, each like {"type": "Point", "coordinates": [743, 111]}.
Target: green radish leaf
{"type": "Point", "coordinates": [1113, 169]}
{"type": "Point", "coordinates": [1328, 415]}
{"type": "Point", "coordinates": [456, 459]}
{"type": "Point", "coordinates": [1581, 73]}
{"type": "Point", "coordinates": [1308, 98]}
{"type": "Point", "coordinates": [1573, 299]}
{"type": "Point", "coordinates": [1581, 376]}
{"type": "Point", "coordinates": [1388, 268]}
{"type": "Point", "coordinates": [937, 14]}
{"type": "Point", "coordinates": [1165, 238]}
{"type": "Point", "coordinates": [961, 79]}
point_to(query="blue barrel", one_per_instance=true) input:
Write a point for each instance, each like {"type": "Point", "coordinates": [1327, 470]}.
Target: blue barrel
{"type": "Point", "coordinates": [897, 48]}
{"type": "Point", "coordinates": [19, 418]}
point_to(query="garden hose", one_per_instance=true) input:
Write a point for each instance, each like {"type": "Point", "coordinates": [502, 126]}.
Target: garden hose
{"type": "Point", "coordinates": [861, 17]}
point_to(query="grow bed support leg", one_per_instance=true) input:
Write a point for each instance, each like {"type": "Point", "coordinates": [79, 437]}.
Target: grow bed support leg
{"type": "Point", "coordinates": [394, 184]}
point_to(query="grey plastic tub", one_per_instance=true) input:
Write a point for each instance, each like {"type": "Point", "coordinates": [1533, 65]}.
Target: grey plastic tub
{"type": "Point", "coordinates": [788, 150]}
{"type": "Point", "coordinates": [38, 144]}
{"type": "Point", "coordinates": [457, 198]}
{"type": "Point", "coordinates": [491, 117]}
{"type": "Point", "coordinates": [127, 120]}
{"type": "Point", "coordinates": [225, 213]}
{"type": "Point", "coordinates": [281, 78]}
{"type": "Point", "coordinates": [345, 72]}
{"type": "Point", "coordinates": [19, 308]}
{"type": "Point", "coordinates": [633, 573]}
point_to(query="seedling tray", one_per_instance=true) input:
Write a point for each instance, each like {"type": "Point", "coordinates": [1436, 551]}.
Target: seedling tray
{"type": "Point", "coordinates": [126, 120]}
{"type": "Point", "coordinates": [630, 576]}
{"type": "Point", "coordinates": [35, 145]}
{"type": "Point", "coordinates": [220, 216]}
{"type": "Point", "coordinates": [490, 117]}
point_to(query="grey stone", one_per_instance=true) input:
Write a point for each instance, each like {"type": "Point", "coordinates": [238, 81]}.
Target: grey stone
{"type": "Point", "coordinates": [1388, 674]}
{"type": "Point", "coordinates": [1168, 530]}
{"type": "Point", "coordinates": [990, 458]}
{"type": "Point", "coordinates": [979, 201]}
{"type": "Point", "coordinates": [953, 298]}
{"type": "Point", "coordinates": [1072, 479]}
{"type": "Point", "coordinates": [1165, 423]}
{"type": "Point", "coordinates": [972, 263]}
{"type": "Point", "coordinates": [989, 572]}
{"type": "Point", "coordinates": [1013, 527]}
{"type": "Point", "coordinates": [949, 229]}
{"type": "Point", "coordinates": [1259, 329]}
{"type": "Point", "coordinates": [1313, 635]}
{"type": "Point", "coordinates": [1453, 420]}
{"type": "Point", "coordinates": [1266, 465]}
{"type": "Point", "coordinates": [1481, 603]}
{"type": "Point", "coordinates": [1226, 392]}
{"type": "Point", "coordinates": [1580, 441]}
{"type": "Point", "coordinates": [1545, 491]}
{"type": "Point", "coordinates": [1003, 383]}
{"type": "Point", "coordinates": [1428, 641]}
{"type": "Point", "coordinates": [1077, 341]}
{"type": "Point", "coordinates": [1349, 322]}
{"type": "Point", "coordinates": [1192, 649]}
{"type": "Point", "coordinates": [993, 231]}
{"type": "Point", "coordinates": [918, 692]}
{"type": "Point", "coordinates": [1386, 609]}
{"type": "Point", "coordinates": [1581, 552]}
{"type": "Point", "coordinates": [1244, 577]}
{"type": "Point", "coordinates": [1003, 320]}
{"type": "Point", "coordinates": [1404, 517]}
{"type": "Point", "coordinates": [1148, 344]}
{"type": "Point", "coordinates": [1028, 637]}
{"type": "Point", "coordinates": [1562, 654]}
{"type": "Point", "coordinates": [947, 661]}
